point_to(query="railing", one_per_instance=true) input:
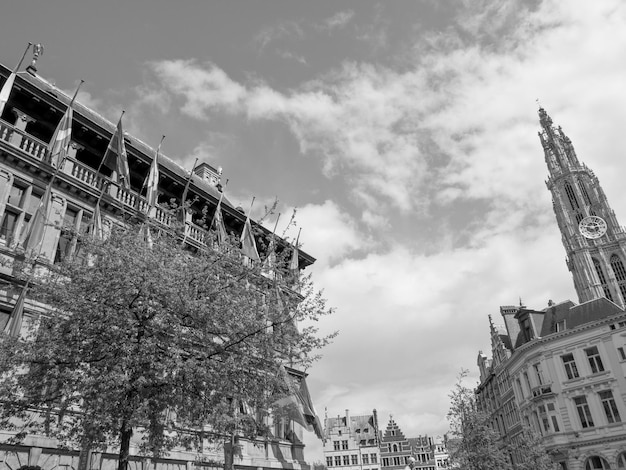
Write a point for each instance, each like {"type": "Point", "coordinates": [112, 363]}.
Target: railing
{"type": "Point", "coordinates": [90, 177]}
{"type": "Point", "coordinates": [84, 173]}
{"type": "Point", "coordinates": [23, 141]}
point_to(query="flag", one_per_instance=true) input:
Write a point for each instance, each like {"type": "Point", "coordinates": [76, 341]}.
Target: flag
{"type": "Point", "coordinates": [96, 224]}
{"type": "Point", "coordinates": [295, 264]}
{"type": "Point", "coordinates": [248, 245]}
{"type": "Point", "coordinates": [299, 408]}
{"type": "Point", "coordinates": [313, 422]}
{"type": "Point", "coordinates": [14, 324]}
{"type": "Point", "coordinates": [152, 182]}
{"type": "Point", "coordinates": [270, 260]}
{"type": "Point", "coordinates": [6, 91]}
{"type": "Point", "coordinates": [218, 222]}
{"type": "Point", "coordinates": [182, 210]}
{"type": "Point", "coordinates": [32, 236]}
{"type": "Point", "coordinates": [116, 158]}
{"type": "Point", "coordinates": [145, 235]}
{"type": "Point", "coordinates": [59, 145]}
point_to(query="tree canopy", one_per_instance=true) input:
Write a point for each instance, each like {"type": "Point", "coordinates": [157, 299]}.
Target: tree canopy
{"type": "Point", "coordinates": [150, 336]}
{"type": "Point", "coordinates": [476, 445]}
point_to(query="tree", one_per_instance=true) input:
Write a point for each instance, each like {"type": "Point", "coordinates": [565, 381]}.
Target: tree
{"type": "Point", "coordinates": [474, 443]}
{"type": "Point", "coordinates": [529, 452]}
{"type": "Point", "coordinates": [155, 339]}
{"type": "Point", "coordinates": [477, 446]}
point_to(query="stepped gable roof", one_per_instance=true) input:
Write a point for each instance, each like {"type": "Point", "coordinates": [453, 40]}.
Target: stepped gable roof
{"type": "Point", "coordinates": [392, 426]}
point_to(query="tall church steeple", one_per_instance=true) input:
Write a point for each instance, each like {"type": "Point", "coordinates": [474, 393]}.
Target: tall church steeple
{"type": "Point", "coordinates": [594, 241]}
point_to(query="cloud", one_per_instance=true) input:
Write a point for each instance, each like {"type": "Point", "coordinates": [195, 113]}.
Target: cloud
{"type": "Point", "coordinates": [338, 21]}
{"type": "Point", "coordinates": [448, 215]}
{"type": "Point", "coordinates": [288, 29]}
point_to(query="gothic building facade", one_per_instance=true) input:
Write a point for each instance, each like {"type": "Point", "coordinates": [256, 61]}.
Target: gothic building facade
{"type": "Point", "coordinates": [29, 115]}
{"type": "Point", "coordinates": [560, 370]}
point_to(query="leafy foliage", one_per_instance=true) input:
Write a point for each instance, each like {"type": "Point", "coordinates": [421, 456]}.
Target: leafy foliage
{"type": "Point", "coordinates": [475, 445]}
{"type": "Point", "coordinates": [157, 338]}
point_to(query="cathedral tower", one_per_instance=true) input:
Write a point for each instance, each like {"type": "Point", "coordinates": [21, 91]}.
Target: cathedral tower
{"type": "Point", "coordinates": [594, 241]}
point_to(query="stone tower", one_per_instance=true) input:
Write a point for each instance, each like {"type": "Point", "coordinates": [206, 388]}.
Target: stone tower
{"type": "Point", "coordinates": [594, 241]}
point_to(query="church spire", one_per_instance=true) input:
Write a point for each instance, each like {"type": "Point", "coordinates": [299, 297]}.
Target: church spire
{"type": "Point", "coordinates": [594, 241]}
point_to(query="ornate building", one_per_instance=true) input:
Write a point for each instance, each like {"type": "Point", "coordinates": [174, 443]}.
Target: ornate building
{"type": "Point", "coordinates": [351, 442]}
{"type": "Point", "coordinates": [561, 370]}
{"type": "Point", "coordinates": [29, 114]}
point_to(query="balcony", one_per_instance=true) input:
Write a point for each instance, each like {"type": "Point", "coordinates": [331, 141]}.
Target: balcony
{"type": "Point", "coordinates": [128, 199]}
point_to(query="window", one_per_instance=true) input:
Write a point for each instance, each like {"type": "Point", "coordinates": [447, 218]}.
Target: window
{"type": "Point", "coordinates": [344, 445]}
{"type": "Point", "coordinates": [74, 224]}
{"type": "Point", "coordinates": [584, 192]}
{"type": "Point", "coordinates": [584, 413]}
{"type": "Point", "coordinates": [572, 197]}
{"type": "Point", "coordinates": [560, 326]}
{"type": "Point", "coordinates": [385, 461]}
{"type": "Point", "coordinates": [337, 461]}
{"type": "Point", "coordinates": [621, 460]}
{"type": "Point", "coordinates": [602, 279]}
{"type": "Point", "coordinates": [366, 459]}
{"type": "Point", "coordinates": [335, 445]}
{"type": "Point", "coordinates": [346, 460]}
{"type": "Point", "coordinates": [374, 458]}
{"type": "Point", "coordinates": [538, 373]}
{"type": "Point", "coordinates": [595, 361]}
{"type": "Point", "coordinates": [622, 354]}
{"type": "Point", "coordinates": [366, 430]}
{"type": "Point", "coordinates": [620, 274]}
{"type": "Point", "coordinates": [396, 461]}
{"type": "Point", "coordinates": [527, 380]}
{"type": "Point", "coordinates": [597, 463]}
{"type": "Point", "coordinates": [570, 366]}
{"type": "Point", "coordinates": [395, 448]}
{"type": "Point", "coordinates": [610, 407]}
{"type": "Point", "coordinates": [329, 461]}
{"type": "Point", "coordinates": [355, 459]}
{"type": "Point", "coordinates": [20, 207]}
{"type": "Point", "coordinates": [549, 421]}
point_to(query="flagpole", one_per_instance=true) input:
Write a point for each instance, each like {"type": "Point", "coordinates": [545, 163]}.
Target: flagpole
{"type": "Point", "coordinates": [22, 59]}
{"type": "Point", "coordinates": [186, 189]}
{"type": "Point", "coordinates": [76, 92]}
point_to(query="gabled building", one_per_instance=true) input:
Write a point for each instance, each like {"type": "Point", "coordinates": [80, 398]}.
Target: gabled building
{"type": "Point", "coordinates": [561, 369]}
{"type": "Point", "coordinates": [27, 124]}
{"type": "Point", "coordinates": [351, 442]}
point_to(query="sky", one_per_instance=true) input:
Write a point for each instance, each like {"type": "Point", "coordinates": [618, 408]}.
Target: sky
{"type": "Point", "coordinates": [405, 134]}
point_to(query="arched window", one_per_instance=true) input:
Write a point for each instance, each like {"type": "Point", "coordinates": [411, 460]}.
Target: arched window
{"type": "Point", "coordinates": [597, 463]}
{"type": "Point", "coordinates": [395, 448]}
{"type": "Point", "coordinates": [583, 190]}
{"type": "Point", "coordinates": [572, 197]}
{"type": "Point", "coordinates": [602, 278]}
{"type": "Point", "coordinates": [621, 460]}
{"type": "Point", "coordinates": [620, 274]}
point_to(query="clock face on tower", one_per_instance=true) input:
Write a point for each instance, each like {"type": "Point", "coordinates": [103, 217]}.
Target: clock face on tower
{"type": "Point", "coordinates": [592, 227]}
